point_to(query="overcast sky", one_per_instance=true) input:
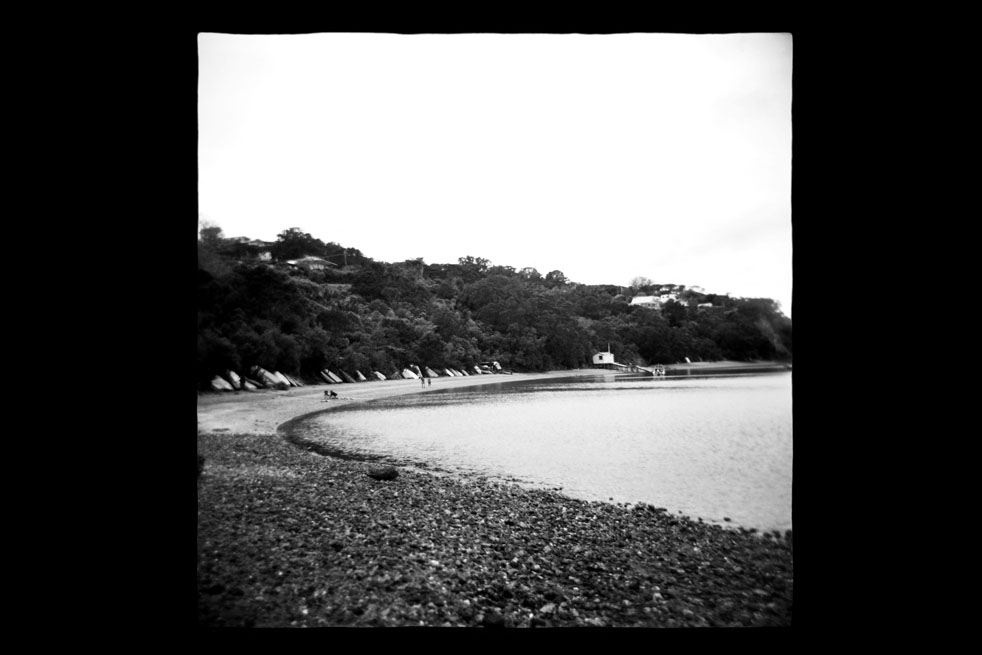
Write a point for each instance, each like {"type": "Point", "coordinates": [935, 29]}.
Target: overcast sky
{"type": "Point", "coordinates": [606, 157]}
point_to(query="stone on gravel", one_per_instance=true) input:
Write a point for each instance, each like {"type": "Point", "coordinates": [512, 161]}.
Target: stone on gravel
{"type": "Point", "coordinates": [383, 473]}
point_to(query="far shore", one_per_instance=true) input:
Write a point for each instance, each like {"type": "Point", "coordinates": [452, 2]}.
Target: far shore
{"type": "Point", "coordinates": [264, 410]}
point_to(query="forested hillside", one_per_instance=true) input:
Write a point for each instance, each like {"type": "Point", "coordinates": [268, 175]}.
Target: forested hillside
{"type": "Point", "coordinates": [373, 316]}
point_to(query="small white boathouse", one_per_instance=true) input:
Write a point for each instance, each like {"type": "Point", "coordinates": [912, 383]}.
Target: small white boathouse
{"type": "Point", "coordinates": [604, 359]}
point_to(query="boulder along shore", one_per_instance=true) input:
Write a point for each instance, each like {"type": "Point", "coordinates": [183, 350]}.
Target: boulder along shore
{"type": "Point", "coordinates": [289, 537]}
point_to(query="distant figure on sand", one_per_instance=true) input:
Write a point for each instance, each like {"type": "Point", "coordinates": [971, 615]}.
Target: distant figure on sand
{"type": "Point", "coordinates": [422, 383]}
{"type": "Point", "coordinates": [429, 382]}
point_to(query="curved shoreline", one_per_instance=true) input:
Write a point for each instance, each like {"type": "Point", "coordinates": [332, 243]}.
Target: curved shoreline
{"type": "Point", "coordinates": [286, 539]}
{"type": "Point", "coordinates": [277, 412]}
{"type": "Point", "coordinates": [290, 540]}
{"type": "Point", "coordinates": [272, 412]}
{"type": "Point", "coordinates": [264, 411]}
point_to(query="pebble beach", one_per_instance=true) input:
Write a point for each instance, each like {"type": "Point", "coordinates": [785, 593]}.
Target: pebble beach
{"type": "Point", "coordinates": [289, 536]}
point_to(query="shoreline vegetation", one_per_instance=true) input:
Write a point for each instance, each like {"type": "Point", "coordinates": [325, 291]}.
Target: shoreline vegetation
{"type": "Point", "coordinates": [290, 538]}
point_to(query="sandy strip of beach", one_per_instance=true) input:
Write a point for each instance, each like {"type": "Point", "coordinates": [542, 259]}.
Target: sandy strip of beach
{"type": "Point", "coordinates": [264, 410]}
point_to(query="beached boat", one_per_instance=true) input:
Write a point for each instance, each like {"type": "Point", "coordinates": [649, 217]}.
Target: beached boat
{"type": "Point", "coordinates": [326, 377]}
{"type": "Point", "coordinates": [220, 384]}
{"type": "Point", "coordinates": [360, 377]}
{"type": "Point", "coordinates": [234, 378]}
{"type": "Point", "coordinates": [378, 376]}
{"type": "Point", "coordinates": [409, 375]}
{"type": "Point", "coordinates": [334, 376]}
{"type": "Point", "coordinates": [268, 379]}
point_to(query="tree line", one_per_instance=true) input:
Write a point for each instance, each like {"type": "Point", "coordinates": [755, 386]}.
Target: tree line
{"type": "Point", "coordinates": [367, 315]}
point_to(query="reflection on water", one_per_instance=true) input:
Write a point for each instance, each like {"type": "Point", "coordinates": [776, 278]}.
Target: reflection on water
{"type": "Point", "coordinates": [713, 446]}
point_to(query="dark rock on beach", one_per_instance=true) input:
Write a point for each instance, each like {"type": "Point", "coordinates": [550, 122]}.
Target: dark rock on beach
{"type": "Point", "coordinates": [288, 537]}
{"type": "Point", "coordinates": [383, 473]}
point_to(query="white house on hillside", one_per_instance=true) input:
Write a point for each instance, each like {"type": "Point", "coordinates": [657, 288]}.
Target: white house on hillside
{"type": "Point", "coordinates": [313, 263]}
{"type": "Point", "coordinates": [646, 301]}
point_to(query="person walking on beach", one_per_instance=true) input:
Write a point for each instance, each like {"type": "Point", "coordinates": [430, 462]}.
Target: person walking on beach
{"type": "Point", "coordinates": [429, 382]}
{"type": "Point", "coordinates": [422, 383]}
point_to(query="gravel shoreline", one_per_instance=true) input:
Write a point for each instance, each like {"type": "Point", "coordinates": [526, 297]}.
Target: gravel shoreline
{"type": "Point", "coordinates": [288, 537]}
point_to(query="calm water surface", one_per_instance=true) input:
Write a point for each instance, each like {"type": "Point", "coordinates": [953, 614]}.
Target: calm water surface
{"type": "Point", "coordinates": [708, 446]}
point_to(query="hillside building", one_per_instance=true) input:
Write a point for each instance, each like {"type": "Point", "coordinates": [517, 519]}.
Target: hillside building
{"type": "Point", "coordinates": [312, 263]}
{"type": "Point", "coordinates": [646, 301]}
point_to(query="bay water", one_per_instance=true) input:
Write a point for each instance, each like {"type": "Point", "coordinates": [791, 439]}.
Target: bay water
{"type": "Point", "coordinates": [711, 446]}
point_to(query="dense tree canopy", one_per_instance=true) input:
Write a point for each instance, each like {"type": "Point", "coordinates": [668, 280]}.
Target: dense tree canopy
{"type": "Point", "coordinates": [295, 243]}
{"type": "Point", "coordinates": [367, 315]}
